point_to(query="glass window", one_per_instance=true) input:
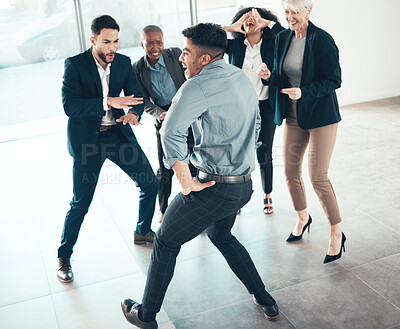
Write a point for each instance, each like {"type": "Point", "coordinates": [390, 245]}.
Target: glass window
{"type": "Point", "coordinates": [174, 16]}
{"type": "Point", "coordinates": [44, 33]}
{"type": "Point", "coordinates": [219, 12]}
{"type": "Point", "coordinates": [41, 33]}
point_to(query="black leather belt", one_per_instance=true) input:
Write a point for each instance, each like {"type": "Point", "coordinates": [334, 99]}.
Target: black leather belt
{"type": "Point", "coordinates": [105, 128]}
{"type": "Point", "coordinates": [223, 179]}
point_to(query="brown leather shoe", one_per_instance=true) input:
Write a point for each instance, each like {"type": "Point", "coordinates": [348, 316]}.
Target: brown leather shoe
{"type": "Point", "coordinates": [142, 239]}
{"type": "Point", "coordinates": [64, 272]}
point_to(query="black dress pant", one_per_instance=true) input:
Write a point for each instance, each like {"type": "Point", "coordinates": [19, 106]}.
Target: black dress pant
{"type": "Point", "coordinates": [266, 137]}
{"type": "Point", "coordinates": [214, 210]}
{"type": "Point", "coordinates": [113, 145]}
{"type": "Point", "coordinates": [164, 175]}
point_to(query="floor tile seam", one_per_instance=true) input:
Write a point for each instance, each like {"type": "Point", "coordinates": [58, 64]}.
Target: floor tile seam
{"type": "Point", "coordinates": [108, 280]}
{"type": "Point", "coordinates": [124, 276]}
{"type": "Point", "coordinates": [51, 294]}
{"type": "Point", "coordinates": [20, 257]}
{"type": "Point", "coordinates": [248, 245]}
{"type": "Point", "coordinates": [168, 318]}
{"type": "Point", "coordinates": [120, 231]}
{"type": "Point", "coordinates": [223, 306]}
{"type": "Point", "coordinates": [216, 252]}
{"type": "Point", "coordinates": [396, 325]}
{"type": "Point", "coordinates": [117, 277]}
{"type": "Point", "coordinates": [41, 296]}
{"type": "Point", "coordinates": [29, 137]}
{"type": "Point", "coordinates": [93, 283]}
{"type": "Point", "coordinates": [380, 222]}
{"type": "Point", "coordinates": [377, 292]}
{"type": "Point", "coordinates": [207, 310]}
{"type": "Point", "coordinates": [131, 252]}
{"type": "Point", "coordinates": [47, 277]}
{"type": "Point", "coordinates": [186, 259]}
{"type": "Point", "coordinates": [25, 300]}
{"type": "Point", "coordinates": [55, 311]}
{"type": "Point", "coordinates": [311, 280]}
{"type": "Point", "coordinates": [373, 261]}
{"type": "Point", "coordinates": [287, 318]}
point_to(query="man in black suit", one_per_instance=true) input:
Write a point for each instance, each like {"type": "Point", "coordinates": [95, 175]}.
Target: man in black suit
{"type": "Point", "coordinates": [160, 74]}
{"type": "Point", "coordinates": [98, 130]}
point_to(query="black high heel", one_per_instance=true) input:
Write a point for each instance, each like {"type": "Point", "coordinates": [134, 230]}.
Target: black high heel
{"type": "Point", "coordinates": [292, 237]}
{"type": "Point", "coordinates": [329, 258]}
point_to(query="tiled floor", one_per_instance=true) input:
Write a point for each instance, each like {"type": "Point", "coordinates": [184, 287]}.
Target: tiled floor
{"type": "Point", "coordinates": [361, 290]}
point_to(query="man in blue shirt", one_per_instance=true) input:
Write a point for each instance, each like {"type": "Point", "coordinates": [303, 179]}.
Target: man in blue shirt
{"type": "Point", "coordinates": [160, 74]}
{"type": "Point", "coordinates": [221, 105]}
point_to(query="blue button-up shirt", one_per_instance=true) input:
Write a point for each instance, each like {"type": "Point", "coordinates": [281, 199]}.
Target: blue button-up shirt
{"type": "Point", "coordinates": [221, 105]}
{"type": "Point", "coordinates": [162, 83]}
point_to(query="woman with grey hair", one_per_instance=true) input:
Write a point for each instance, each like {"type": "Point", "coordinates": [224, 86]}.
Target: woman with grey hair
{"type": "Point", "coordinates": [306, 74]}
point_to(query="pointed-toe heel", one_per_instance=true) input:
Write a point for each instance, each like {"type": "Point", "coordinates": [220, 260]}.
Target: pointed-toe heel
{"type": "Point", "coordinates": [292, 237]}
{"type": "Point", "coordinates": [329, 258]}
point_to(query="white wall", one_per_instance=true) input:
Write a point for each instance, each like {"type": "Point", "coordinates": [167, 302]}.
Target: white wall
{"type": "Point", "coordinates": [367, 35]}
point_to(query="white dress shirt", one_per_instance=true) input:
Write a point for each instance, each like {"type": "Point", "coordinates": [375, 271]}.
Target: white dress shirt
{"type": "Point", "coordinates": [252, 60]}
{"type": "Point", "coordinates": [108, 118]}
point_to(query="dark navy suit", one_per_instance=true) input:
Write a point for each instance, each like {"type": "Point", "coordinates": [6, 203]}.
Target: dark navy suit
{"type": "Point", "coordinates": [82, 98]}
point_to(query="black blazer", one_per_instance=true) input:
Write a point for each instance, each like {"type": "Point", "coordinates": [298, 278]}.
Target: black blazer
{"type": "Point", "coordinates": [82, 98]}
{"type": "Point", "coordinates": [175, 69]}
{"type": "Point", "coordinates": [321, 76]}
{"type": "Point", "coordinates": [237, 50]}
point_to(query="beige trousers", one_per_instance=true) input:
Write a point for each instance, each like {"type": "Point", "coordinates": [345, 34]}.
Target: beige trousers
{"type": "Point", "coordinates": [321, 142]}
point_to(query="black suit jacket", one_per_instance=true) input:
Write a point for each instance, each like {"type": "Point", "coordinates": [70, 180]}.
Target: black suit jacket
{"type": "Point", "coordinates": [321, 76]}
{"type": "Point", "coordinates": [82, 98]}
{"type": "Point", "coordinates": [237, 50]}
{"type": "Point", "coordinates": [175, 69]}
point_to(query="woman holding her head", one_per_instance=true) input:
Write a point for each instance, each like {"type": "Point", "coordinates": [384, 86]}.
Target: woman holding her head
{"type": "Point", "coordinates": [306, 73]}
{"type": "Point", "coordinates": [254, 31]}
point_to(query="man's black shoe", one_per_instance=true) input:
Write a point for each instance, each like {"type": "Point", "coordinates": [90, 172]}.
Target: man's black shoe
{"type": "Point", "coordinates": [271, 312]}
{"type": "Point", "coordinates": [131, 311]}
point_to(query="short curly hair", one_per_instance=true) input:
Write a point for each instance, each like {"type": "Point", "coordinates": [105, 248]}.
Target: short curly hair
{"type": "Point", "coordinates": [264, 13]}
{"type": "Point", "coordinates": [211, 38]}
